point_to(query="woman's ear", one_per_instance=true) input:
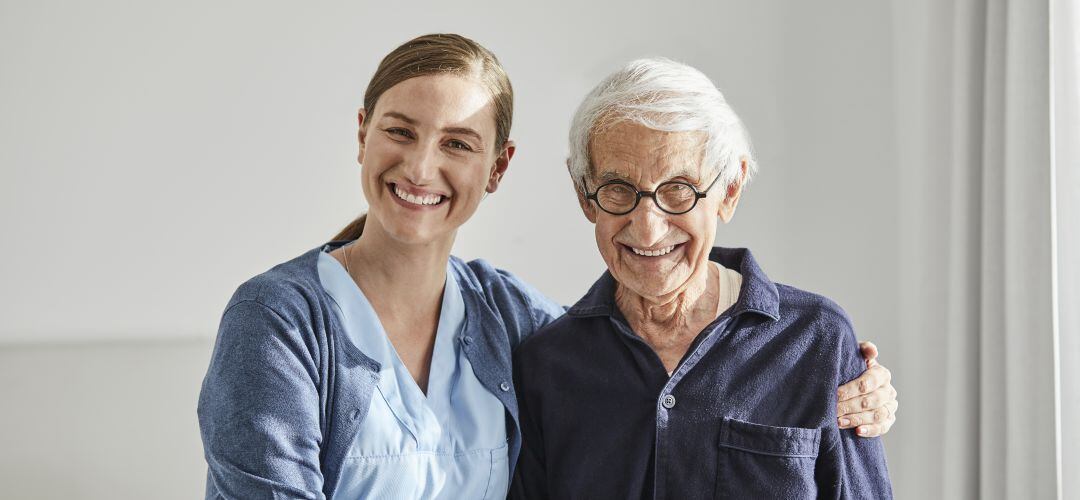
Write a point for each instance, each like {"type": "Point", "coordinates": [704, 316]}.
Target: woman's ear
{"type": "Point", "coordinates": [361, 134]}
{"type": "Point", "coordinates": [502, 162]}
{"type": "Point", "coordinates": [733, 192]}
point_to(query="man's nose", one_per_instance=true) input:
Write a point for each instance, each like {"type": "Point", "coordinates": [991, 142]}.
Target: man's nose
{"type": "Point", "coordinates": [648, 223]}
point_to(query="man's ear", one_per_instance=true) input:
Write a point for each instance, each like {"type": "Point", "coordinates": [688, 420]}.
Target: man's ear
{"type": "Point", "coordinates": [502, 162]}
{"type": "Point", "coordinates": [587, 207]}
{"type": "Point", "coordinates": [733, 192]}
{"type": "Point", "coordinates": [361, 134]}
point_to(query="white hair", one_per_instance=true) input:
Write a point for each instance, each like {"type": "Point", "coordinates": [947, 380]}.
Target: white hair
{"type": "Point", "coordinates": [667, 96]}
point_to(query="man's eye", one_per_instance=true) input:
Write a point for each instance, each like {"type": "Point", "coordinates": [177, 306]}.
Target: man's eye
{"type": "Point", "coordinates": [456, 144]}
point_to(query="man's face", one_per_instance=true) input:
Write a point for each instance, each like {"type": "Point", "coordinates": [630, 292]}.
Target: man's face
{"type": "Point", "coordinates": [652, 253]}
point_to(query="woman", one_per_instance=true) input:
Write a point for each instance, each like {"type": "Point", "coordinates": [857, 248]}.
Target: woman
{"type": "Point", "coordinates": [379, 365]}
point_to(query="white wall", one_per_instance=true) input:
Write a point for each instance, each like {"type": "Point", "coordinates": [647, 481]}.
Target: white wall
{"type": "Point", "coordinates": [107, 420]}
{"type": "Point", "coordinates": [155, 155]}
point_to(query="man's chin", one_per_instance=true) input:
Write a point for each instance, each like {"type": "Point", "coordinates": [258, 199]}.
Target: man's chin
{"type": "Point", "coordinates": [651, 290]}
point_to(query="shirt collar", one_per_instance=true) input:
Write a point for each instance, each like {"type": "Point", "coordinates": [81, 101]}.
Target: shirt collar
{"type": "Point", "coordinates": [454, 271]}
{"type": "Point", "coordinates": [757, 295]}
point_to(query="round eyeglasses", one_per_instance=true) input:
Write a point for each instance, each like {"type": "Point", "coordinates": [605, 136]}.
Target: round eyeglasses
{"type": "Point", "coordinates": [619, 197]}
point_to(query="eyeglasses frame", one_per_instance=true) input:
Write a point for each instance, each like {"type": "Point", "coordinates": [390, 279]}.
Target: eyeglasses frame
{"type": "Point", "coordinates": [698, 195]}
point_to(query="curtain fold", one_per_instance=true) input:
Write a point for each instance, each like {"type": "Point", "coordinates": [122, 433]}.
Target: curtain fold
{"type": "Point", "coordinates": [1065, 106]}
{"type": "Point", "coordinates": [976, 275]}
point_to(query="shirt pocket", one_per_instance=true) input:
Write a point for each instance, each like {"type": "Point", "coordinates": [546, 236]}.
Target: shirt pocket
{"type": "Point", "coordinates": [763, 461]}
{"type": "Point", "coordinates": [499, 475]}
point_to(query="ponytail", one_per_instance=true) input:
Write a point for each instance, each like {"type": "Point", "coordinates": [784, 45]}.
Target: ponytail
{"type": "Point", "coordinates": [353, 230]}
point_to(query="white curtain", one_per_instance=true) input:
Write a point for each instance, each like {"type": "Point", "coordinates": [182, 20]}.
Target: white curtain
{"type": "Point", "coordinates": [977, 268]}
{"type": "Point", "coordinates": [1065, 108]}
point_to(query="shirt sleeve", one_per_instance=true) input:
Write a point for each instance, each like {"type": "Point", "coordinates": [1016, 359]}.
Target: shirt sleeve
{"type": "Point", "coordinates": [854, 467]}
{"type": "Point", "coordinates": [259, 409]}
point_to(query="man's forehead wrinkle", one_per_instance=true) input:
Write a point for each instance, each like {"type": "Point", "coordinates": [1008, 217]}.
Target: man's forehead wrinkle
{"type": "Point", "coordinates": [673, 162]}
{"type": "Point", "coordinates": [644, 156]}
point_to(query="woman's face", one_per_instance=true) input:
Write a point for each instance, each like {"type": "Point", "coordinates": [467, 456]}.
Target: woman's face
{"type": "Point", "coordinates": [428, 154]}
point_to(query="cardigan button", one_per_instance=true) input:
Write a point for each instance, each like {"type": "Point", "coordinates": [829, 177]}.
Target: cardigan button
{"type": "Point", "coordinates": [467, 340]}
{"type": "Point", "coordinates": [504, 386]}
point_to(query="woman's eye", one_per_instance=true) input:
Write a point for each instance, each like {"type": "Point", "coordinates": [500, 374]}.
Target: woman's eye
{"type": "Point", "coordinates": [456, 144]}
{"type": "Point", "coordinates": [399, 132]}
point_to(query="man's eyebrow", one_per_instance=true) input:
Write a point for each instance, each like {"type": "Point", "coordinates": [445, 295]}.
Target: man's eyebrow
{"type": "Point", "coordinates": [689, 174]}
{"type": "Point", "coordinates": [612, 175]}
{"type": "Point", "coordinates": [693, 176]}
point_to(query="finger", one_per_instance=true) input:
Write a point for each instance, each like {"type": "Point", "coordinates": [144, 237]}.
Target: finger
{"type": "Point", "coordinates": [869, 350]}
{"type": "Point", "coordinates": [874, 430]}
{"type": "Point", "coordinates": [869, 430]}
{"type": "Point", "coordinates": [872, 401]}
{"type": "Point", "coordinates": [876, 416]}
{"type": "Point", "coordinates": [871, 379]}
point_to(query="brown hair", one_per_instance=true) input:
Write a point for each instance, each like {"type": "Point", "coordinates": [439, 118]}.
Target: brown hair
{"type": "Point", "coordinates": [441, 53]}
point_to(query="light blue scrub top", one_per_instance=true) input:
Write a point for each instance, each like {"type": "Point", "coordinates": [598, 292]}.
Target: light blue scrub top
{"type": "Point", "coordinates": [448, 444]}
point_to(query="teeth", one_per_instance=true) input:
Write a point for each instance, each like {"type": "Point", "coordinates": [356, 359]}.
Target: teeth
{"type": "Point", "coordinates": [654, 253]}
{"type": "Point", "coordinates": [431, 199]}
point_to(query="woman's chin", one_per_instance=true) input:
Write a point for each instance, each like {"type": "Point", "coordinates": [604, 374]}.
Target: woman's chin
{"type": "Point", "coordinates": [413, 235]}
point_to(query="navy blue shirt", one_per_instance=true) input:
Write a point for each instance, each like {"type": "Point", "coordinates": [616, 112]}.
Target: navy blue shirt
{"type": "Point", "coordinates": [750, 412]}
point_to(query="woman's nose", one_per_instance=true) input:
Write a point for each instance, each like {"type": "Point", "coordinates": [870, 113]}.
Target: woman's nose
{"type": "Point", "coordinates": [421, 165]}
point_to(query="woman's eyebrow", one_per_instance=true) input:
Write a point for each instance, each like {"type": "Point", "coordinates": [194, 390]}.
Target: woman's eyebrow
{"type": "Point", "coordinates": [451, 130]}
{"type": "Point", "coordinates": [400, 116]}
{"type": "Point", "coordinates": [464, 131]}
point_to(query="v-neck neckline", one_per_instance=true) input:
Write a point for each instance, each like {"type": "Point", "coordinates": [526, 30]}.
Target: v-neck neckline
{"type": "Point", "coordinates": [423, 415]}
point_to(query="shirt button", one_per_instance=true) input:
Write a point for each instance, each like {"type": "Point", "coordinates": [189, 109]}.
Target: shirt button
{"type": "Point", "coordinates": [504, 386]}
{"type": "Point", "coordinates": [467, 340]}
{"type": "Point", "coordinates": [668, 401]}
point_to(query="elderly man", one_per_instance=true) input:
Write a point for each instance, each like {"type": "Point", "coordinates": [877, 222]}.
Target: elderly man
{"type": "Point", "coordinates": [684, 372]}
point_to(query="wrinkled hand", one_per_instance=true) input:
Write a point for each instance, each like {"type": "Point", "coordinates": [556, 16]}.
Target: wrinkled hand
{"type": "Point", "coordinates": [868, 403]}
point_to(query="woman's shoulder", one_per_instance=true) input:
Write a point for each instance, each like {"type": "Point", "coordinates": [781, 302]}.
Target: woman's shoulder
{"type": "Point", "coordinates": [288, 288]}
{"type": "Point", "coordinates": [506, 293]}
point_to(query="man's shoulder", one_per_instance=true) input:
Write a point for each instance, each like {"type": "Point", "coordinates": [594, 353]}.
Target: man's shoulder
{"type": "Point", "coordinates": [804, 301]}
{"type": "Point", "coordinates": [813, 314]}
{"type": "Point", "coordinates": [567, 333]}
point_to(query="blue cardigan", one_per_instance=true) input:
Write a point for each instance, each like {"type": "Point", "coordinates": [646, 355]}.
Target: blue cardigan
{"type": "Point", "coordinates": [286, 391]}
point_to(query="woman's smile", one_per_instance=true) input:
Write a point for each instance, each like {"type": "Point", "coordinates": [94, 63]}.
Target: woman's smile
{"type": "Point", "coordinates": [416, 199]}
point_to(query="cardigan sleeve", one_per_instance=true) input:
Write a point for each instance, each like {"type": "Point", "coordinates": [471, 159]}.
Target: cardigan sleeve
{"type": "Point", "coordinates": [523, 308]}
{"type": "Point", "coordinates": [259, 409]}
